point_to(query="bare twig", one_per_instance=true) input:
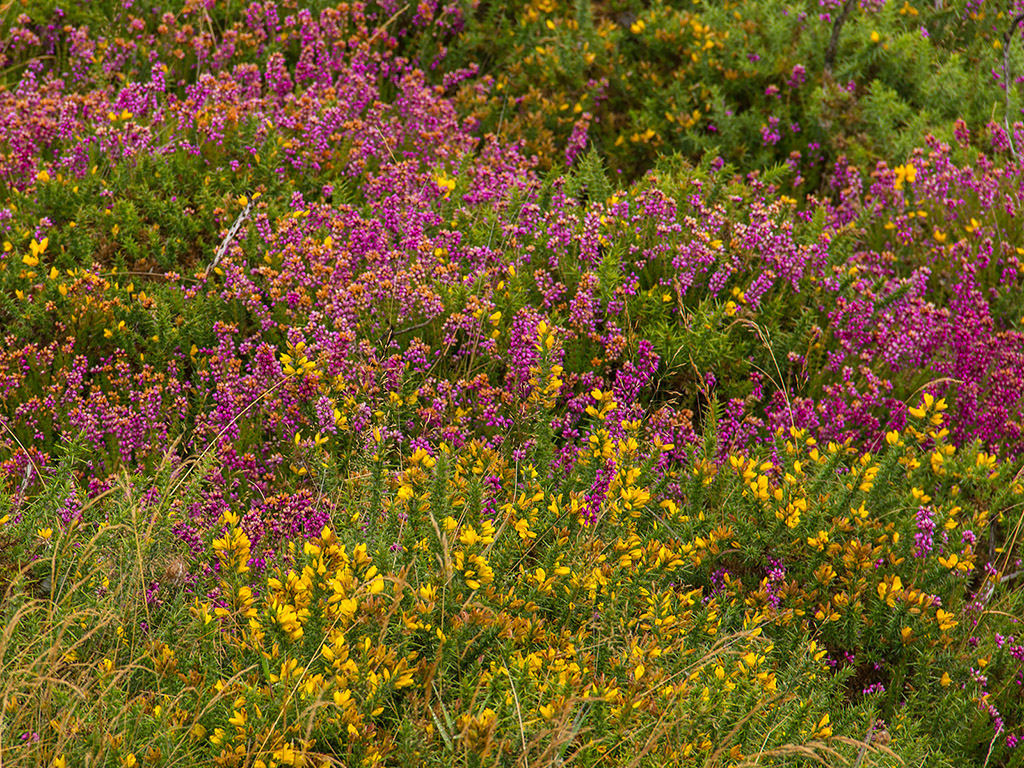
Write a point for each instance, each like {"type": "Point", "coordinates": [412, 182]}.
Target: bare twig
{"type": "Point", "coordinates": [231, 235]}
{"type": "Point", "coordinates": [387, 23]}
{"type": "Point", "coordinates": [28, 468]}
{"type": "Point", "coordinates": [867, 743]}
{"type": "Point", "coordinates": [1007, 84]}
{"type": "Point", "coordinates": [833, 41]}
{"type": "Point", "coordinates": [765, 339]}
{"type": "Point", "coordinates": [226, 427]}
{"type": "Point", "coordinates": [519, 714]}
{"type": "Point", "coordinates": [151, 275]}
{"type": "Point", "coordinates": [990, 746]}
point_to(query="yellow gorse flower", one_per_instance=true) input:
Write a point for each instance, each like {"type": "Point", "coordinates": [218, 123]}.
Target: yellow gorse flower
{"type": "Point", "coordinates": [446, 185]}
{"type": "Point", "coordinates": [295, 362]}
{"type": "Point", "coordinates": [904, 174]}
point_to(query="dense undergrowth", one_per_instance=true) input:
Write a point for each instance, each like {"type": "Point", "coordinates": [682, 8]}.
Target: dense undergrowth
{"type": "Point", "coordinates": [364, 402]}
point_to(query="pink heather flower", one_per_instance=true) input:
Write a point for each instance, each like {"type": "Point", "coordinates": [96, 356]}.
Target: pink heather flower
{"type": "Point", "coordinates": [578, 138]}
{"type": "Point", "coordinates": [925, 533]}
{"type": "Point", "coordinates": [770, 133]}
{"type": "Point", "coordinates": [998, 137]}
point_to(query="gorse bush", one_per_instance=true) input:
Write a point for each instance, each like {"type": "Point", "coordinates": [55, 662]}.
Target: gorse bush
{"type": "Point", "coordinates": [747, 81]}
{"type": "Point", "coordinates": [356, 410]}
{"type": "Point", "coordinates": [491, 612]}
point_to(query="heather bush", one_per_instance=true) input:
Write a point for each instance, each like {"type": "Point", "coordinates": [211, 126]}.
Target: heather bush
{"type": "Point", "coordinates": [760, 84]}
